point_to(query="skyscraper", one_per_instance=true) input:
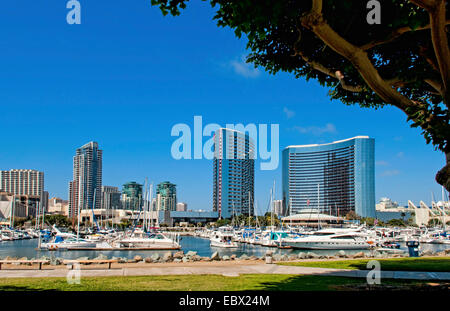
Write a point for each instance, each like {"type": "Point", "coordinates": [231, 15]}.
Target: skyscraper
{"type": "Point", "coordinates": [132, 196]}
{"type": "Point", "coordinates": [333, 178]}
{"type": "Point", "coordinates": [166, 196]}
{"type": "Point", "coordinates": [233, 173]}
{"type": "Point", "coordinates": [87, 179]}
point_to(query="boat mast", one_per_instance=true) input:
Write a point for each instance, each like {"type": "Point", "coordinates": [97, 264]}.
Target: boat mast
{"type": "Point", "coordinates": [78, 209]}
{"type": "Point", "coordinates": [151, 205]}
{"type": "Point", "coordinates": [318, 206]}
{"type": "Point", "coordinates": [11, 212]}
{"type": "Point", "coordinates": [43, 213]}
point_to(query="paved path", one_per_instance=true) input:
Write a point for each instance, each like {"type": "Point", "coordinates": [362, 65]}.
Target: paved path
{"type": "Point", "coordinates": [226, 270]}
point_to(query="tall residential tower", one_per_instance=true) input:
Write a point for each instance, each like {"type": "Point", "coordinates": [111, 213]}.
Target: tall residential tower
{"type": "Point", "coordinates": [234, 173]}
{"type": "Point", "coordinates": [87, 179]}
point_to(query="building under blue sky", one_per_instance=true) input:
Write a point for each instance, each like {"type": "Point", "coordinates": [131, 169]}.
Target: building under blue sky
{"type": "Point", "coordinates": [335, 178]}
{"type": "Point", "coordinates": [127, 75]}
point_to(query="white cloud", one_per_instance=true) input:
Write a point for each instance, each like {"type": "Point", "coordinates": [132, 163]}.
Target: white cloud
{"type": "Point", "coordinates": [244, 69]}
{"type": "Point", "coordinates": [329, 128]}
{"type": "Point", "coordinates": [390, 173]}
{"type": "Point", "coordinates": [289, 113]}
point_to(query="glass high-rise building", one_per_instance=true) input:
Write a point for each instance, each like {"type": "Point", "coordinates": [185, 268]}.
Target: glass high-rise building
{"type": "Point", "coordinates": [85, 190]}
{"type": "Point", "coordinates": [333, 178]}
{"type": "Point", "coordinates": [166, 196]}
{"type": "Point", "coordinates": [233, 173]}
{"type": "Point", "coordinates": [132, 196]}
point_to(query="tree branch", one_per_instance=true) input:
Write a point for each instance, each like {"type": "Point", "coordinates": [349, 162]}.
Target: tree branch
{"type": "Point", "coordinates": [436, 11]}
{"type": "Point", "coordinates": [317, 24]}
{"type": "Point", "coordinates": [335, 74]}
{"type": "Point", "coordinates": [394, 35]}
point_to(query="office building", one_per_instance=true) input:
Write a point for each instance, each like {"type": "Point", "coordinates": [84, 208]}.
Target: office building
{"type": "Point", "coordinates": [334, 178]}
{"type": "Point", "coordinates": [27, 186]}
{"type": "Point", "coordinates": [181, 207]}
{"type": "Point", "coordinates": [233, 173]}
{"type": "Point", "coordinates": [132, 196]}
{"type": "Point", "coordinates": [86, 186]}
{"type": "Point", "coordinates": [166, 196]}
{"type": "Point", "coordinates": [278, 208]}
{"type": "Point", "coordinates": [111, 198]}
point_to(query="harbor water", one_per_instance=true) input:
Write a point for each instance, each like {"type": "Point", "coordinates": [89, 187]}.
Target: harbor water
{"type": "Point", "coordinates": [27, 248]}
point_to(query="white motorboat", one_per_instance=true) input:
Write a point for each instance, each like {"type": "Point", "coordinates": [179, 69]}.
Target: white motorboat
{"type": "Point", "coordinates": [329, 239]}
{"type": "Point", "coordinates": [140, 239]}
{"type": "Point", "coordinates": [58, 242]}
{"type": "Point", "coordinates": [223, 239]}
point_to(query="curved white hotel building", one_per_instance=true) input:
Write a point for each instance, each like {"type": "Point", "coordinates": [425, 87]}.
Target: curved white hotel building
{"type": "Point", "coordinates": [333, 178]}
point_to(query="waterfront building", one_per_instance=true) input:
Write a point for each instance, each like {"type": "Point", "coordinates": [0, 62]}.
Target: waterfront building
{"type": "Point", "coordinates": [233, 173]}
{"type": "Point", "coordinates": [22, 182]}
{"type": "Point", "coordinates": [132, 196]}
{"type": "Point", "coordinates": [166, 196]}
{"type": "Point", "coordinates": [181, 207]}
{"type": "Point", "coordinates": [278, 208]}
{"type": "Point", "coordinates": [87, 179]}
{"type": "Point", "coordinates": [335, 178]}
{"type": "Point", "coordinates": [16, 205]}
{"type": "Point", "coordinates": [58, 206]}
{"type": "Point", "coordinates": [111, 198]}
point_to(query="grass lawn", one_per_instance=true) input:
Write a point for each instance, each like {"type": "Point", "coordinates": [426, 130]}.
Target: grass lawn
{"type": "Point", "coordinates": [431, 264]}
{"type": "Point", "coordinates": [193, 283]}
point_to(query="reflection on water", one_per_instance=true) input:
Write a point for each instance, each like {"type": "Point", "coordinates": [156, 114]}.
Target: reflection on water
{"type": "Point", "coordinates": [27, 248]}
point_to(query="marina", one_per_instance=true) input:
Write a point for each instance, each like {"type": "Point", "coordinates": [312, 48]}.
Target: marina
{"type": "Point", "coordinates": [201, 245]}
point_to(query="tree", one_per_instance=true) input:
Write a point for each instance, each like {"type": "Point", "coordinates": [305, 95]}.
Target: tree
{"type": "Point", "coordinates": [58, 220]}
{"type": "Point", "coordinates": [403, 62]}
{"type": "Point", "coordinates": [396, 223]}
{"type": "Point", "coordinates": [351, 216]}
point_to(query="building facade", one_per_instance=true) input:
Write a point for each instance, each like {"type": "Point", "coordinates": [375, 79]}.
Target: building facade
{"type": "Point", "coordinates": [278, 208]}
{"type": "Point", "coordinates": [132, 196]}
{"type": "Point", "coordinates": [166, 197]}
{"type": "Point", "coordinates": [22, 182]}
{"type": "Point", "coordinates": [27, 186]}
{"type": "Point", "coordinates": [233, 173]}
{"type": "Point", "coordinates": [86, 186]}
{"type": "Point", "coordinates": [111, 198]}
{"type": "Point", "coordinates": [58, 206]}
{"type": "Point", "coordinates": [181, 207]}
{"type": "Point", "coordinates": [335, 178]}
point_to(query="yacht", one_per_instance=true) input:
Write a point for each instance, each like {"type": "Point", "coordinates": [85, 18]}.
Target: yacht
{"type": "Point", "coordinates": [223, 239]}
{"type": "Point", "coordinates": [345, 238]}
{"type": "Point", "coordinates": [59, 242]}
{"type": "Point", "coordinates": [141, 239]}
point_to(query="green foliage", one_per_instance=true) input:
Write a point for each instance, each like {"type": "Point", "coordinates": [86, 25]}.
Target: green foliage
{"type": "Point", "coordinates": [58, 220]}
{"type": "Point", "coordinates": [397, 223]}
{"type": "Point", "coordinates": [352, 216]}
{"type": "Point", "coordinates": [223, 222]}
{"type": "Point", "coordinates": [277, 41]}
{"type": "Point", "coordinates": [371, 221]}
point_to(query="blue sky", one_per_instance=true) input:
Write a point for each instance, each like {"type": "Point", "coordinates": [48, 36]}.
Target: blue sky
{"type": "Point", "coordinates": [127, 74]}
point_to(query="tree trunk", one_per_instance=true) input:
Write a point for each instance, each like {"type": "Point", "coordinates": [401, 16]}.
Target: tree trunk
{"type": "Point", "coordinates": [443, 176]}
